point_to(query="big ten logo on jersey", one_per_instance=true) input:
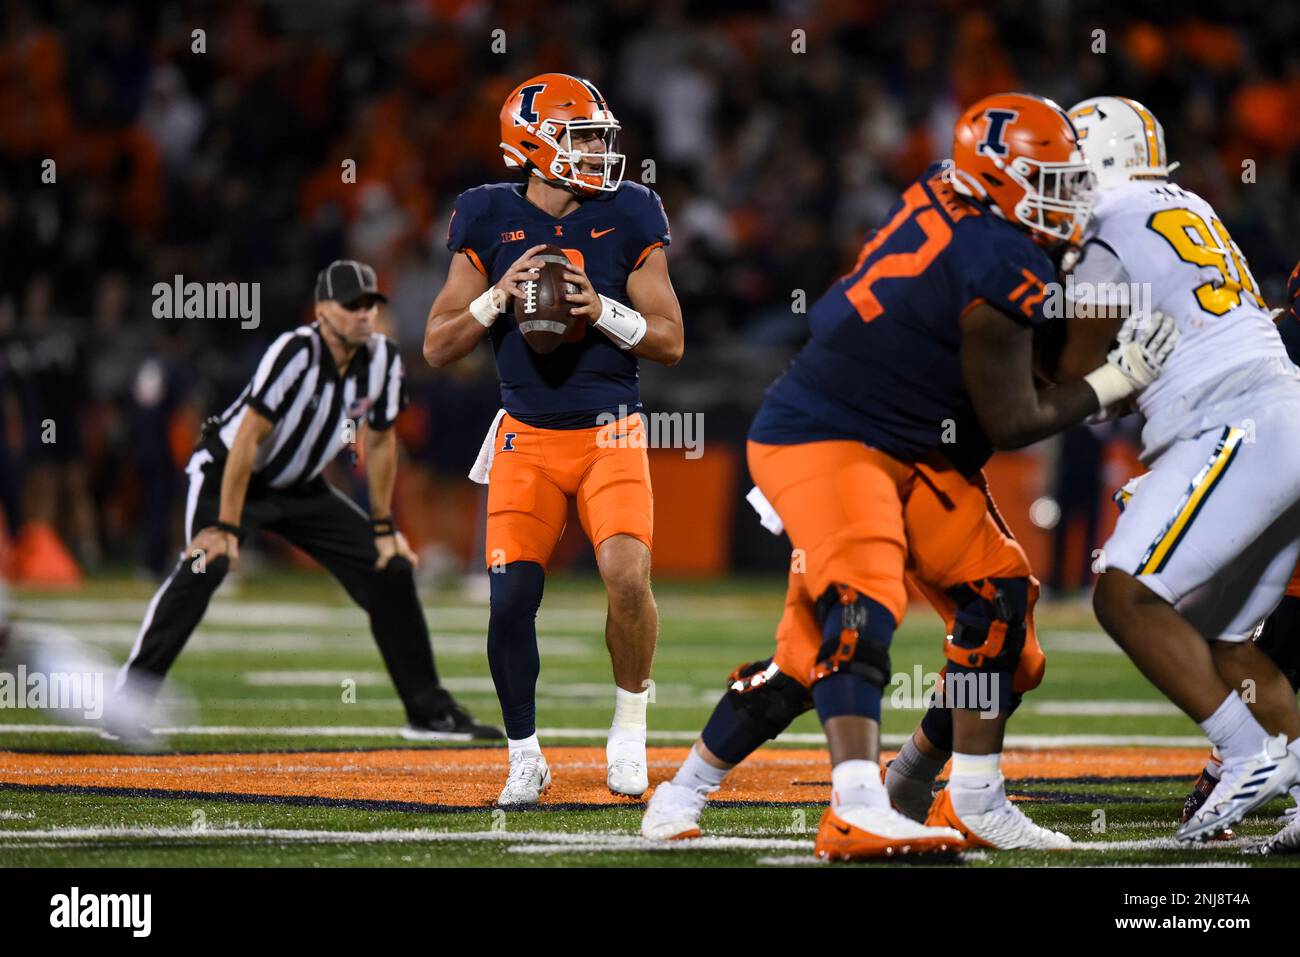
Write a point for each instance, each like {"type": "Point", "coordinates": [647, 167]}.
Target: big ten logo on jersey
{"type": "Point", "coordinates": [578, 330]}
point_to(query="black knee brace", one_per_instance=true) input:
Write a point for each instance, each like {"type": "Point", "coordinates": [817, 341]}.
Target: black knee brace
{"type": "Point", "coordinates": [765, 699]}
{"type": "Point", "coordinates": [858, 631]}
{"type": "Point", "coordinates": [989, 631]}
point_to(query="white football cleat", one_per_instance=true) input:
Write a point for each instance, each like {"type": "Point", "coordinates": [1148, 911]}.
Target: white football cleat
{"type": "Point", "coordinates": [1289, 814]}
{"type": "Point", "coordinates": [1005, 828]}
{"type": "Point", "coordinates": [673, 813]}
{"type": "Point", "coordinates": [860, 832]}
{"type": "Point", "coordinates": [528, 780]}
{"type": "Point", "coordinates": [1244, 785]}
{"type": "Point", "coordinates": [1287, 840]}
{"type": "Point", "coordinates": [625, 763]}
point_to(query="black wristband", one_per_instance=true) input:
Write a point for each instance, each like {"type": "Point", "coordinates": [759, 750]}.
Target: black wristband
{"type": "Point", "coordinates": [380, 527]}
{"type": "Point", "coordinates": [227, 528]}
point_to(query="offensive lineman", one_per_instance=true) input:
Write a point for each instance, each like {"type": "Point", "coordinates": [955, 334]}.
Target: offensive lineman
{"type": "Point", "coordinates": [869, 452]}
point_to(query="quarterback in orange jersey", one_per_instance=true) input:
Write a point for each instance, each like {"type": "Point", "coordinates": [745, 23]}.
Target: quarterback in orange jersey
{"type": "Point", "coordinates": [869, 451]}
{"type": "Point", "coordinates": [570, 426]}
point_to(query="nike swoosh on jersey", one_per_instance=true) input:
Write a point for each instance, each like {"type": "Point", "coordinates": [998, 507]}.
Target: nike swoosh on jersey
{"type": "Point", "coordinates": [597, 235]}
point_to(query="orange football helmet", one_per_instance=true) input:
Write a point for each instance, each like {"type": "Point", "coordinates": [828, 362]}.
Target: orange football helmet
{"type": "Point", "coordinates": [1020, 154]}
{"type": "Point", "coordinates": [541, 121]}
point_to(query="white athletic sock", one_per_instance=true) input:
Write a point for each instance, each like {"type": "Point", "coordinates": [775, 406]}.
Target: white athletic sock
{"type": "Point", "coordinates": [629, 712]}
{"type": "Point", "coordinates": [698, 775]}
{"type": "Point", "coordinates": [976, 783]}
{"type": "Point", "coordinates": [524, 745]}
{"type": "Point", "coordinates": [857, 784]}
{"type": "Point", "coordinates": [1294, 748]}
{"type": "Point", "coordinates": [1233, 729]}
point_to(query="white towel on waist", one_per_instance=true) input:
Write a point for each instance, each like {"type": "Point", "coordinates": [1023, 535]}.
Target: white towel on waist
{"type": "Point", "coordinates": [483, 464]}
{"type": "Point", "coordinates": [766, 513]}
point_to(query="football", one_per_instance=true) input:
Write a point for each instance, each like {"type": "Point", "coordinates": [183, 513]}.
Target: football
{"type": "Point", "coordinates": [543, 313]}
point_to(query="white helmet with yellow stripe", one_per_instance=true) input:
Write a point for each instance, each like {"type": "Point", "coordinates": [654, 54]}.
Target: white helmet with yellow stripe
{"type": "Point", "coordinates": [1121, 139]}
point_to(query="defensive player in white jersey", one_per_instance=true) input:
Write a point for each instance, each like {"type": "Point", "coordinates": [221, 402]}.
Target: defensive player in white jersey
{"type": "Point", "coordinates": [1205, 548]}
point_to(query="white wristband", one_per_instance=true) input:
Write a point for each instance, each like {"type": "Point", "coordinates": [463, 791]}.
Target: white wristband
{"type": "Point", "coordinates": [1110, 384]}
{"type": "Point", "coordinates": [621, 323]}
{"type": "Point", "coordinates": [488, 306]}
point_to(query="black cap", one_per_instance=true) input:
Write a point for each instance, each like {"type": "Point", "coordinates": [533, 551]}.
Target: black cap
{"type": "Point", "coordinates": [346, 281]}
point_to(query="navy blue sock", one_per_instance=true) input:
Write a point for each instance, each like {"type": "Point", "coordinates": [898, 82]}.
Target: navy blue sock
{"type": "Point", "coordinates": [727, 736]}
{"type": "Point", "coordinates": [937, 725]}
{"type": "Point", "coordinates": [844, 692]}
{"type": "Point", "coordinates": [512, 644]}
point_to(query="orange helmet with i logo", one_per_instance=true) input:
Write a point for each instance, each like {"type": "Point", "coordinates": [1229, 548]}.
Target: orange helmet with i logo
{"type": "Point", "coordinates": [559, 128]}
{"type": "Point", "coordinates": [1019, 154]}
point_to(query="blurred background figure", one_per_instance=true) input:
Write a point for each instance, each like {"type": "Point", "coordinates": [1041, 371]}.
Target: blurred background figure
{"type": "Point", "coordinates": [73, 683]}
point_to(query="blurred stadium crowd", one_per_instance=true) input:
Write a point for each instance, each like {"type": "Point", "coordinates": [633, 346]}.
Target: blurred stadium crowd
{"type": "Point", "coordinates": [773, 164]}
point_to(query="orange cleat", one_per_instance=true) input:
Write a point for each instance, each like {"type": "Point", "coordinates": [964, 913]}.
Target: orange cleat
{"type": "Point", "coordinates": [866, 833]}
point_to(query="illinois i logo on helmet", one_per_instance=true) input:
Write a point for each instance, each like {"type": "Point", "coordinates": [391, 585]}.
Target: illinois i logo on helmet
{"type": "Point", "coordinates": [1019, 155]}
{"type": "Point", "coordinates": [559, 128]}
{"type": "Point", "coordinates": [994, 141]}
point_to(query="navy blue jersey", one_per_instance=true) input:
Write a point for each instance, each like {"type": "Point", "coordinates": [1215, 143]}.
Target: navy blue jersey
{"type": "Point", "coordinates": [609, 235]}
{"type": "Point", "coordinates": [883, 365]}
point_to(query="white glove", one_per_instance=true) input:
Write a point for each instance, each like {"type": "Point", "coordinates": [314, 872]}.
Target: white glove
{"type": "Point", "coordinates": [1143, 345]}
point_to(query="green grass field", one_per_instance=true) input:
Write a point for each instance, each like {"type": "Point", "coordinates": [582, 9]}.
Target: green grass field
{"type": "Point", "coordinates": [270, 667]}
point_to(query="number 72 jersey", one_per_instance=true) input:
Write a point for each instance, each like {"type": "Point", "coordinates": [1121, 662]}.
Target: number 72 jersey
{"type": "Point", "coordinates": [883, 364]}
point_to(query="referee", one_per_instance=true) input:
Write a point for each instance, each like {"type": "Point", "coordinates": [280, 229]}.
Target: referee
{"type": "Point", "coordinates": [258, 466]}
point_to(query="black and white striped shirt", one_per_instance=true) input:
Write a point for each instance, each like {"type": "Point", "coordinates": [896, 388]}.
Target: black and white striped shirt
{"type": "Point", "coordinates": [315, 411]}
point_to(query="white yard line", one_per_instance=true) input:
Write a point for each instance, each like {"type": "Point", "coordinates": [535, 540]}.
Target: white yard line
{"type": "Point", "coordinates": [1102, 709]}
{"type": "Point", "coordinates": [1078, 642]}
{"type": "Point", "coordinates": [792, 860]}
{"type": "Point", "coordinates": [263, 614]}
{"type": "Point", "coordinates": [208, 640]}
{"type": "Point", "coordinates": [517, 842]}
{"type": "Point", "coordinates": [816, 739]}
{"type": "Point", "coordinates": [1157, 844]}
{"type": "Point", "coordinates": [552, 840]}
{"type": "Point", "coordinates": [312, 679]}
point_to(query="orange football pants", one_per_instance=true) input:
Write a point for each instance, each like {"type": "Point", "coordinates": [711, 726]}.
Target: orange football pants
{"type": "Point", "coordinates": [859, 517]}
{"type": "Point", "coordinates": [536, 471]}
